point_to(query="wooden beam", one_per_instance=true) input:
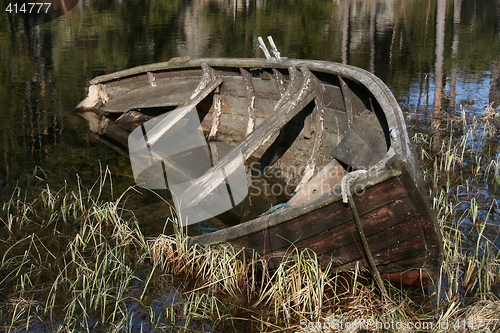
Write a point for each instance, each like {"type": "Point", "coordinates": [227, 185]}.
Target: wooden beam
{"type": "Point", "coordinates": [294, 85]}
{"type": "Point", "coordinates": [131, 119]}
{"type": "Point", "coordinates": [307, 127]}
{"type": "Point", "coordinates": [215, 117]}
{"type": "Point", "coordinates": [279, 81]}
{"type": "Point", "coordinates": [97, 94]}
{"type": "Point", "coordinates": [210, 80]}
{"type": "Point", "coordinates": [151, 79]}
{"type": "Point", "coordinates": [206, 86]}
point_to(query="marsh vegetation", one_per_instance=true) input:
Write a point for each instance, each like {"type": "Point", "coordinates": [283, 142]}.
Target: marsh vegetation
{"type": "Point", "coordinates": [74, 258]}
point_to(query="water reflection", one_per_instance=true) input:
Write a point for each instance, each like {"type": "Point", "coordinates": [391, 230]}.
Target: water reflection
{"type": "Point", "coordinates": [434, 55]}
{"type": "Point", "coordinates": [345, 31]}
{"type": "Point", "coordinates": [438, 66]}
{"type": "Point", "coordinates": [457, 8]}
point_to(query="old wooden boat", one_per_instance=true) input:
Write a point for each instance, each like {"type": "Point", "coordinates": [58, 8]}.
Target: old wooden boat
{"type": "Point", "coordinates": [332, 132]}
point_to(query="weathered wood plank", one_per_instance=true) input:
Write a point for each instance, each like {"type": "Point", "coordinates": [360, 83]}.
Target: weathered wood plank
{"type": "Point", "coordinates": [397, 248]}
{"type": "Point", "coordinates": [232, 127]}
{"type": "Point", "coordinates": [151, 79]}
{"type": "Point", "coordinates": [418, 277]}
{"type": "Point", "coordinates": [307, 131]}
{"type": "Point", "coordinates": [326, 180]}
{"type": "Point", "coordinates": [280, 81]}
{"type": "Point", "coordinates": [366, 138]}
{"type": "Point", "coordinates": [404, 254]}
{"type": "Point", "coordinates": [166, 93]}
{"type": "Point", "coordinates": [294, 85]}
{"type": "Point", "coordinates": [238, 105]}
{"type": "Point", "coordinates": [247, 78]}
{"type": "Point", "coordinates": [429, 223]}
{"type": "Point", "coordinates": [209, 82]}
{"type": "Point", "coordinates": [131, 119]}
{"type": "Point", "coordinates": [335, 123]}
{"type": "Point", "coordinates": [235, 86]}
{"type": "Point", "coordinates": [125, 84]}
{"type": "Point", "coordinates": [206, 123]}
{"type": "Point", "coordinates": [216, 115]}
{"type": "Point", "coordinates": [383, 218]}
{"type": "Point", "coordinates": [333, 97]}
{"type": "Point", "coordinates": [97, 94]}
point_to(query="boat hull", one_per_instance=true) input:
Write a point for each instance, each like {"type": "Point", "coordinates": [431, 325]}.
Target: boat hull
{"type": "Point", "coordinates": [343, 119]}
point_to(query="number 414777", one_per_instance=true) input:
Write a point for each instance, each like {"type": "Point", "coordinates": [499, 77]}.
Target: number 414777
{"type": "Point", "coordinates": [28, 8]}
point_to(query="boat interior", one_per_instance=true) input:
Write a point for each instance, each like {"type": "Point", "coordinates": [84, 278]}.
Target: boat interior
{"type": "Point", "coordinates": [294, 126]}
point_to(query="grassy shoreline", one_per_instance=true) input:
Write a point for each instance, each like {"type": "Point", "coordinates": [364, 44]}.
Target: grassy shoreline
{"type": "Point", "coordinates": [75, 259]}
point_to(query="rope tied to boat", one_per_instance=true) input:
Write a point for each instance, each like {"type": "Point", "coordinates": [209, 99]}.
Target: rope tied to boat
{"type": "Point", "coordinates": [346, 183]}
{"type": "Point", "coordinates": [348, 180]}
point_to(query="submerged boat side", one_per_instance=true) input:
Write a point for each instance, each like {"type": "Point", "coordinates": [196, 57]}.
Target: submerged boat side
{"type": "Point", "coordinates": [342, 117]}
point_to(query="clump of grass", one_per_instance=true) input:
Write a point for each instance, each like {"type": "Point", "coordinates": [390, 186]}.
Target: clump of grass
{"type": "Point", "coordinates": [240, 288]}
{"type": "Point", "coordinates": [70, 259]}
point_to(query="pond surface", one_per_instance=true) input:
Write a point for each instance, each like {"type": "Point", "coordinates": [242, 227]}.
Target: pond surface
{"type": "Point", "coordinates": [435, 55]}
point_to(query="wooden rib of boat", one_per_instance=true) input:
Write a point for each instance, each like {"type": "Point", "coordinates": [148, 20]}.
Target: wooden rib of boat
{"type": "Point", "coordinates": [318, 124]}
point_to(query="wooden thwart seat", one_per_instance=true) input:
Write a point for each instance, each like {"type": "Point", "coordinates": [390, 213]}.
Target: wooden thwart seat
{"type": "Point", "coordinates": [367, 137]}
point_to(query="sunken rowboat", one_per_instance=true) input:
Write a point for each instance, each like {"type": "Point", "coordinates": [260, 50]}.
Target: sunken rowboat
{"type": "Point", "coordinates": [333, 134]}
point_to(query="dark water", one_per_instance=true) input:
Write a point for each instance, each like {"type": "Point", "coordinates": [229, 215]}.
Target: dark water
{"type": "Point", "coordinates": [434, 54]}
